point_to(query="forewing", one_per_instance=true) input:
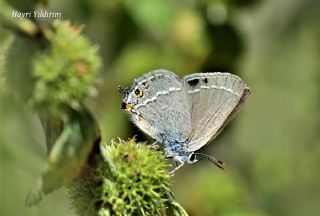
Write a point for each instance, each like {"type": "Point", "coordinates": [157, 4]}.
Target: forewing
{"type": "Point", "coordinates": [163, 108]}
{"type": "Point", "coordinates": [213, 100]}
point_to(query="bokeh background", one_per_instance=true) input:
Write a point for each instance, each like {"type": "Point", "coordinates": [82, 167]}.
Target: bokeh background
{"type": "Point", "coordinates": [272, 147]}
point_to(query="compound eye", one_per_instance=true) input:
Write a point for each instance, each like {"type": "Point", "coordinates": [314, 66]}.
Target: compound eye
{"type": "Point", "coordinates": [123, 105]}
{"type": "Point", "coordinates": [138, 92]}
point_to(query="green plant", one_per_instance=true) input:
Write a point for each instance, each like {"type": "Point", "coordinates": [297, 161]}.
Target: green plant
{"type": "Point", "coordinates": [130, 179]}
{"type": "Point", "coordinates": [66, 73]}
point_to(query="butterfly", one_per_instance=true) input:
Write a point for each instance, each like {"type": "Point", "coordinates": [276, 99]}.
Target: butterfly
{"type": "Point", "coordinates": [183, 115]}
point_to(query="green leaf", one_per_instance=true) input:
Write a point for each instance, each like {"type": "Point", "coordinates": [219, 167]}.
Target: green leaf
{"type": "Point", "coordinates": [68, 155]}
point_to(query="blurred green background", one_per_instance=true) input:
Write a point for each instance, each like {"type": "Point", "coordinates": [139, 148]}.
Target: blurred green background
{"type": "Point", "coordinates": [272, 148]}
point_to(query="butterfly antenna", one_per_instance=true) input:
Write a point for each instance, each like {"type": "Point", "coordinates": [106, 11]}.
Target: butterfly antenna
{"type": "Point", "coordinates": [218, 163]}
{"type": "Point", "coordinates": [123, 90]}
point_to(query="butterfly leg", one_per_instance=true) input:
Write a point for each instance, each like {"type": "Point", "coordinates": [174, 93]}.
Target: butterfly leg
{"type": "Point", "coordinates": [136, 114]}
{"type": "Point", "coordinates": [178, 163]}
{"type": "Point", "coordinates": [154, 146]}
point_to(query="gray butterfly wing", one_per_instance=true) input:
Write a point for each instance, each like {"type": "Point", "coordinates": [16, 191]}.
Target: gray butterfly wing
{"type": "Point", "coordinates": [163, 108]}
{"type": "Point", "coordinates": [213, 99]}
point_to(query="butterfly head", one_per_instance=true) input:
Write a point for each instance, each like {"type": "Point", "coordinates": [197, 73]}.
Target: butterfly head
{"type": "Point", "coordinates": [130, 97]}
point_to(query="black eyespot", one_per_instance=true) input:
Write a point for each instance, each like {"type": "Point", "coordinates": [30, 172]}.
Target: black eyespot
{"type": "Point", "coordinates": [123, 105]}
{"type": "Point", "coordinates": [138, 92]}
{"type": "Point", "coordinates": [193, 82]}
{"type": "Point", "coordinates": [205, 80]}
{"type": "Point", "coordinates": [192, 157]}
{"type": "Point", "coordinates": [145, 85]}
